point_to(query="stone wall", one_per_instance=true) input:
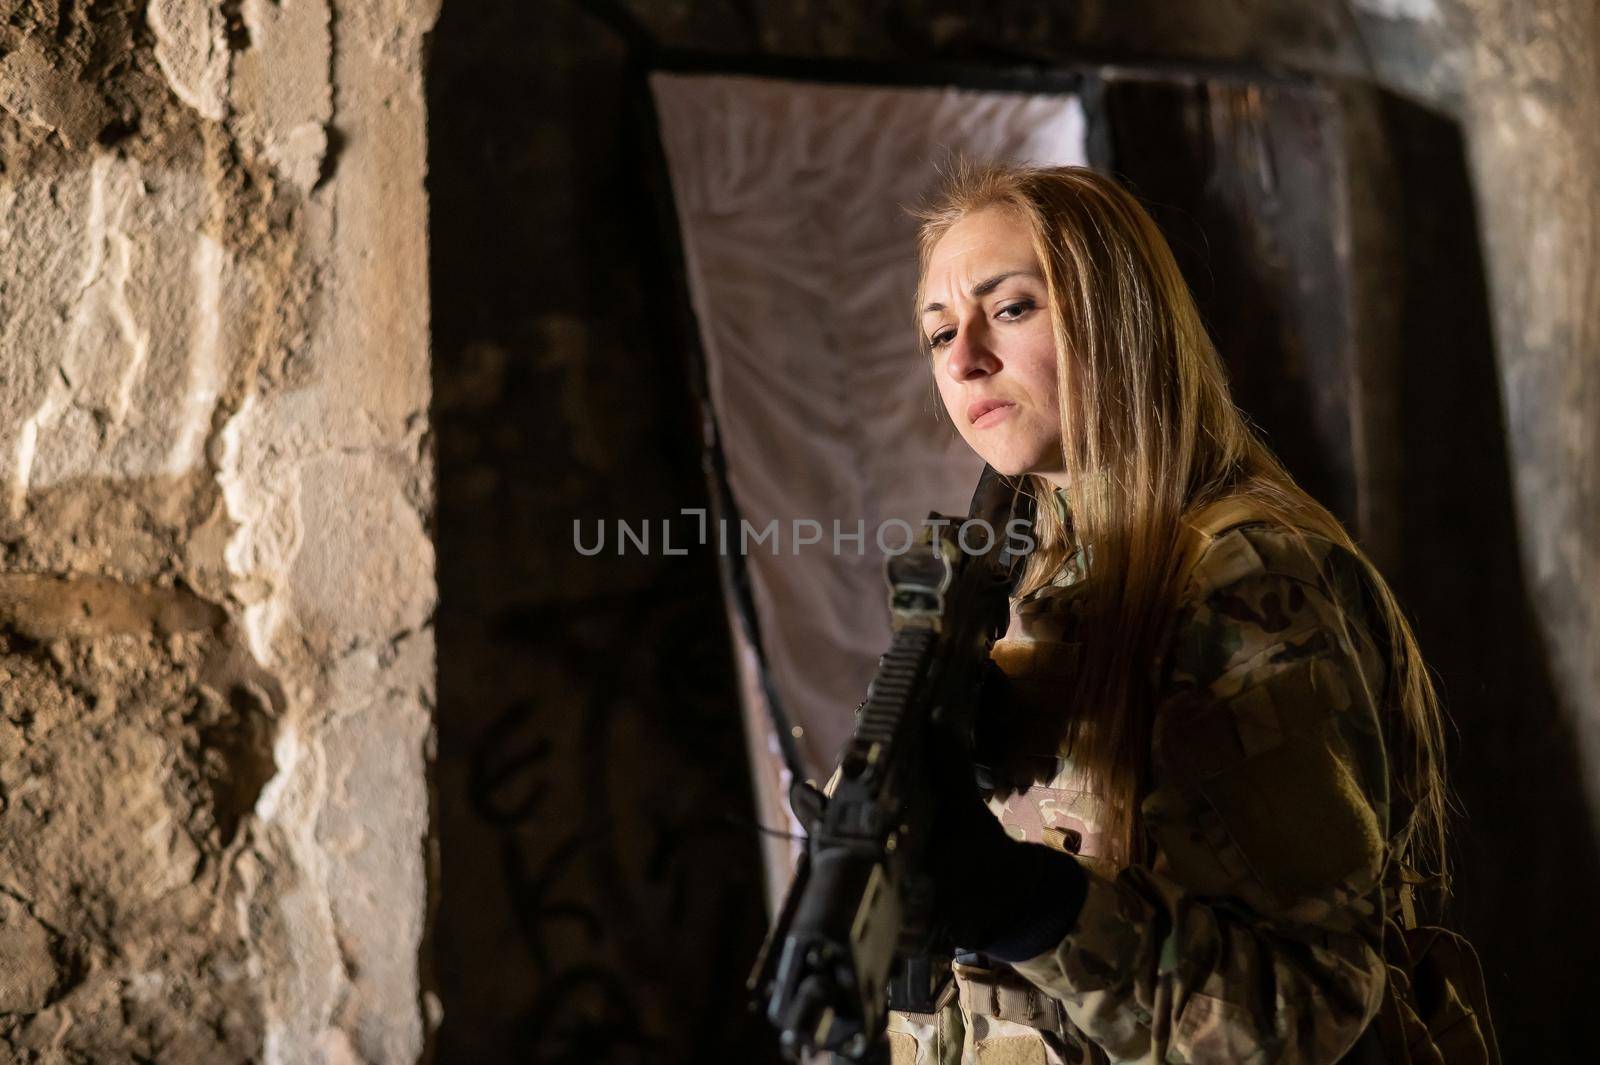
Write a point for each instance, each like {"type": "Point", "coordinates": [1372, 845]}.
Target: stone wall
{"type": "Point", "coordinates": [217, 580]}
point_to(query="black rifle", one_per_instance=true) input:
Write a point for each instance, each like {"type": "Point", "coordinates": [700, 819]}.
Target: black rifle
{"type": "Point", "coordinates": [855, 935]}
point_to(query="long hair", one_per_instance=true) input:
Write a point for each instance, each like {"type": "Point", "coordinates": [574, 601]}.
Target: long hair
{"type": "Point", "coordinates": [1150, 436]}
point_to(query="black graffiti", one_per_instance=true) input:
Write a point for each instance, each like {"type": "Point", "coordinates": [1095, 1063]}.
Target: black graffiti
{"type": "Point", "coordinates": [602, 889]}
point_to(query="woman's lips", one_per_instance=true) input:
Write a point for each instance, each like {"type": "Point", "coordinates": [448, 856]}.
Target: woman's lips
{"type": "Point", "coordinates": [986, 412]}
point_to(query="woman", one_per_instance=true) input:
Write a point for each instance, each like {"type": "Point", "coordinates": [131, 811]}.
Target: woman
{"type": "Point", "coordinates": [1219, 741]}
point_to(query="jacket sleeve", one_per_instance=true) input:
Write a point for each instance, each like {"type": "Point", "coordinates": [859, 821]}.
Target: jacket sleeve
{"type": "Point", "coordinates": [1254, 932]}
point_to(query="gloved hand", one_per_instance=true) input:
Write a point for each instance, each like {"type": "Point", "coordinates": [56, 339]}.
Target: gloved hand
{"type": "Point", "coordinates": [994, 894]}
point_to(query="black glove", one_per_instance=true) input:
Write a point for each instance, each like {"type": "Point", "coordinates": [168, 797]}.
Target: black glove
{"type": "Point", "coordinates": [994, 894]}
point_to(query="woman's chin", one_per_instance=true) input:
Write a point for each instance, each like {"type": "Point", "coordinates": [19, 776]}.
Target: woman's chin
{"type": "Point", "coordinates": [1027, 459]}
{"type": "Point", "coordinates": [1014, 457]}
{"type": "Point", "coordinates": [1006, 465]}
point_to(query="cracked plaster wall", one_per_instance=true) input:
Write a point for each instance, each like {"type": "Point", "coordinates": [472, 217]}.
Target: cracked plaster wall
{"type": "Point", "coordinates": [216, 594]}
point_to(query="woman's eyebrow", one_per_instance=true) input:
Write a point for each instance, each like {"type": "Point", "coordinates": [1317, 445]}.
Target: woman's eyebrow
{"type": "Point", "coordinates": [983, 288]}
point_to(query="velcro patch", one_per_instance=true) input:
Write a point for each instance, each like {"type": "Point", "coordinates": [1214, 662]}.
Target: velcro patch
{"type": "Point", "coordinates": [1010, 1050]}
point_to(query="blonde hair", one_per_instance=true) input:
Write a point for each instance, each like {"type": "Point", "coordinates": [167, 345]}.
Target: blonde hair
{"type": "Point", "coordinates": [1151, 435]}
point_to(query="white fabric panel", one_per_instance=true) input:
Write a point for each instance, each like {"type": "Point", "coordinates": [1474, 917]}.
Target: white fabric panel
{"type": "Point", "coordinates": [801, 267]}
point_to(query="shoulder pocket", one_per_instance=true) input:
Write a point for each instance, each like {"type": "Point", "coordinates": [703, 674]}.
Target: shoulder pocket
{"type": "Point", "coordinates": [1276, 782]}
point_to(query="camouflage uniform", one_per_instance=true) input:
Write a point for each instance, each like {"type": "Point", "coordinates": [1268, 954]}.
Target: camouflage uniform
{"type": "Point", "coordinates": [1253, 932]}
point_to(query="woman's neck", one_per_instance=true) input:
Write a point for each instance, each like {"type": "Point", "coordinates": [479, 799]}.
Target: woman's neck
{"type": "Point", "coordinates": [1059, 480]}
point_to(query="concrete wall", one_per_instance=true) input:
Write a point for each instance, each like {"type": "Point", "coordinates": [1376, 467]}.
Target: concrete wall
{"type": "Point", "coordinates": [558, 304]}
{"type": "Point", "coordinates": [217, 579]}
{"type": "Point", "coordinates": [603, 893]}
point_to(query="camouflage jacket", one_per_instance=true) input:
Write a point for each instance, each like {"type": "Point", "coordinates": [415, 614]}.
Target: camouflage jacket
{"type": "Point", "coordinates": [1253, 934]}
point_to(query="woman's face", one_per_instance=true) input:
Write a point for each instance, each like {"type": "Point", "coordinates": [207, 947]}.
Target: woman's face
{"type": "Point", "coordinates": [986, 316]}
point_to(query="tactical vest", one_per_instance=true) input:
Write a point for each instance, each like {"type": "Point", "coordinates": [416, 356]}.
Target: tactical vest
{"type": "Point", "coordinates": [1435, 1009]}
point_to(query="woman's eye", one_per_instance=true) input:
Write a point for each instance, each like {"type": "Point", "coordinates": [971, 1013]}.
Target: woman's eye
{"type": "Point", "coordinates": [940, 339]}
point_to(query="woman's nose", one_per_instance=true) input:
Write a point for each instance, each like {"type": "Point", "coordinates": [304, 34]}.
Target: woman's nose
{"type": "Point", "coordinates": [970, 356]}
